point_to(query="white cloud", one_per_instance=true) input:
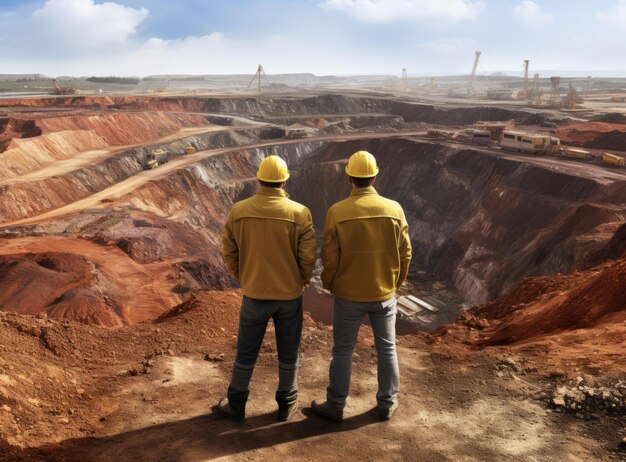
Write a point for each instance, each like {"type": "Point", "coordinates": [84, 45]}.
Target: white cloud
{"type": "Point", "coordinates": [83, 37]}
{"type": "Point", "coordinates": [77, 25]}
{"type": "Point", "coordinates": [384, 11]}
{"type": "Point", "coordinates": [531, 15]}
{"type": "Point", "coordinates": [615, 15]}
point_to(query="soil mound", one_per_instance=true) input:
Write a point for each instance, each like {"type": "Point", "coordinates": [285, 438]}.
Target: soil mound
{"type": "Point", "coordinates": [544, 306]}
{"type": "Point", "coordinates": [614, 140]}
{"type": "Point", "coordinates": [64, 285]}
{"type": "Point", "coordinates": [544, 120]}
{"type": "Point", "coordinates": [78, 280]}
{"type": "Point", "coordinates": [611, 118]}
{"type": "Point", "coordinates": [600, 135]}
{"type": "Point", "coordinates": [452, 117]}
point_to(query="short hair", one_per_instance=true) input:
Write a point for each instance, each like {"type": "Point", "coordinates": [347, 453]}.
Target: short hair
{"type": "Point", "coordinates": [362, 182]}
{"type": "Point", "coordinates": [269, 184]}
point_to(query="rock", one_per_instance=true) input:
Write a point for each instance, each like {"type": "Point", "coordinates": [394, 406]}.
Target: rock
{"type": "Point", "coordinates": [215, 359]}
{"type": "Point", "coordinates": [5, 408]}
{"type": "Point", "coordinates": [559, 401]}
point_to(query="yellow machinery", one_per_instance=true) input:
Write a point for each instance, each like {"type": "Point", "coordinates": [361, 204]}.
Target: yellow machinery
{"type": "Point", "coordinates": [575, 153]}
{"type": "Point", "coordinates": [612, 159]}
{"type": "Point", "coordinates": [190, 150]}
{"type": "Point", "coordinates": [156, 158]}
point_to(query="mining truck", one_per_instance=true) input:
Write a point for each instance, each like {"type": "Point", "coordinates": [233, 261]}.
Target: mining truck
{"type": "Point", "coordinates": [296, 132]}
{"type": "Point", "coordinates": [156, 158]}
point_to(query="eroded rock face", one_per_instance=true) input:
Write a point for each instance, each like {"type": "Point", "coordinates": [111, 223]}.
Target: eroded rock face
{"type": "Point", "coordinates": [478, 219]}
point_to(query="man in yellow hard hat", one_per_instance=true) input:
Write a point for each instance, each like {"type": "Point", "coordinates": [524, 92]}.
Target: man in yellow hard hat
{"type": "Point", "coordinates": [269, 246]}
{"type": "Point", "coordinates": [366, 255]}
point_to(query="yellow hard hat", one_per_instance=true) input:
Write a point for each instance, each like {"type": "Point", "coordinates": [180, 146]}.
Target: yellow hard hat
{"type": "Point", "coordinates": [362, 165]}
{"type": "Point", "coordinates": [273, 170]}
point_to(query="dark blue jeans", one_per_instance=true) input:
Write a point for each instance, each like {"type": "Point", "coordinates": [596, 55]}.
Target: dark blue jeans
{"type": "Point", "coordinates": [255, 314]}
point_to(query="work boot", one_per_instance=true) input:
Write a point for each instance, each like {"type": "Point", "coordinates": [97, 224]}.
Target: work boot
{"type": "Point", "coordinates": [286, 410]}
{"type": "Point", "coordinates": [287, 404]}
{"type": "Point", "coordinates": [234, 405]}
{"type": "Point", "coordinates": [324, 409]}
{"type": "Point", "coordinates": [385, 413]}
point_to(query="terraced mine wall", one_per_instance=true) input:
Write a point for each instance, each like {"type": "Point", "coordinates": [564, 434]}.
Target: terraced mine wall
{"type": "Point", "coordinates": [27, 198]}
{"type": "Point", "coordinates": [480, 221]}
{"type": "Point", "coordinates": [285, 106]}
{"type": "Point", "coordinates": [27, 144]}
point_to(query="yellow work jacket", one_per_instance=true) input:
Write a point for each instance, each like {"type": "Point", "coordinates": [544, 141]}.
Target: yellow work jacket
{"type": "Point", "coordinates": [367, 249]}
{"type": "Point", "coordinates": [269, 245]}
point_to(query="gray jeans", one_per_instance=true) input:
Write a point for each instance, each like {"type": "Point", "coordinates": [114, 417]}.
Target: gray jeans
{"type": "Point", "coordinates": [255, 314]}
{"type": "Point", "coordinates": [346, 322]}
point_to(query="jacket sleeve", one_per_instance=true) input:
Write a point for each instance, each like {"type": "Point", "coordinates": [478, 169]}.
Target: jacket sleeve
{"type": "Point", "coordinates": [331, 252]}
{"type": "Point", "coordinates": [230, 250]}
{"type": "Point", "coordinates": [307, 248]}
{"type": "Point", "coordinates": [405, 251]}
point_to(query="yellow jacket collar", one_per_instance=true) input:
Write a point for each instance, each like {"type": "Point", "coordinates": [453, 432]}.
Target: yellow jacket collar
{"type": "Point", "coordinates": [361, 191]}
{"type": "Point", "coordinates": [266, 191]}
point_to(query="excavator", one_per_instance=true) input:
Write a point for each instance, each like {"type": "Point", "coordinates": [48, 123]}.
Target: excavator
{"type": "Point", "coordinates": [63, 90]}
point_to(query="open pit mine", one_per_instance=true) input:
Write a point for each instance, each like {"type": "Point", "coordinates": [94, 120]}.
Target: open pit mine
{"type": "Point", "coordinates": [118, 317]}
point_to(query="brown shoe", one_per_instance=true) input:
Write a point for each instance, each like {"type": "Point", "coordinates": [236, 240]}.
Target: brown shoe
{"type": "Point", "coordinates": [325, 410]}
{"type": "Point", "coordinates": [231, 411]}
{"type": "Point", "coordinates": [387, 412]}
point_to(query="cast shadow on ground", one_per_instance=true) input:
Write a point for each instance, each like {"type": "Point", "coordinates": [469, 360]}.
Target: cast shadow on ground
{"type": "Point", "coordinates": [203, 437]}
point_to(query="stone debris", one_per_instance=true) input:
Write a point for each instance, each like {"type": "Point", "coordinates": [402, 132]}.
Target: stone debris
{"type": "Point", "coordinates": [582, 397]}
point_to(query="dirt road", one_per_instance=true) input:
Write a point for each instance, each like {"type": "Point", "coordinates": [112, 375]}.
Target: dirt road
{"type": "Point", "coordinates": [97, 155]}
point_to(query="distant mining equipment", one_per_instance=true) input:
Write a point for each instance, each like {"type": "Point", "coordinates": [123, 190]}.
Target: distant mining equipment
{"type": "Point", "coordinates": [259, 77]}
{"type": "Point", "coordinates": [156, 158]}
{"type": "Point", "coordinates": [572, 100]}
{"type": "Point", "coordinates": [404, 82]}
{"type": "Point", "coordinates": [63, 90]}
{"type": "Point", "coordinates": [500, 94]}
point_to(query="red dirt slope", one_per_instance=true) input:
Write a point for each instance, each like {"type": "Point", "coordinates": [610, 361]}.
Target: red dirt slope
{"type": "Point", "coordinates": [74, 279]}
{"type": "Point", "coordinates": [551, 305]}
{"type": "Point", "coordinates": [599, 135]}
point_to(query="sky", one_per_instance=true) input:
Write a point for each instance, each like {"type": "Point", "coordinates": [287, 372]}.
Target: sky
{"type": "Point", "coordinates": [341, 37]}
